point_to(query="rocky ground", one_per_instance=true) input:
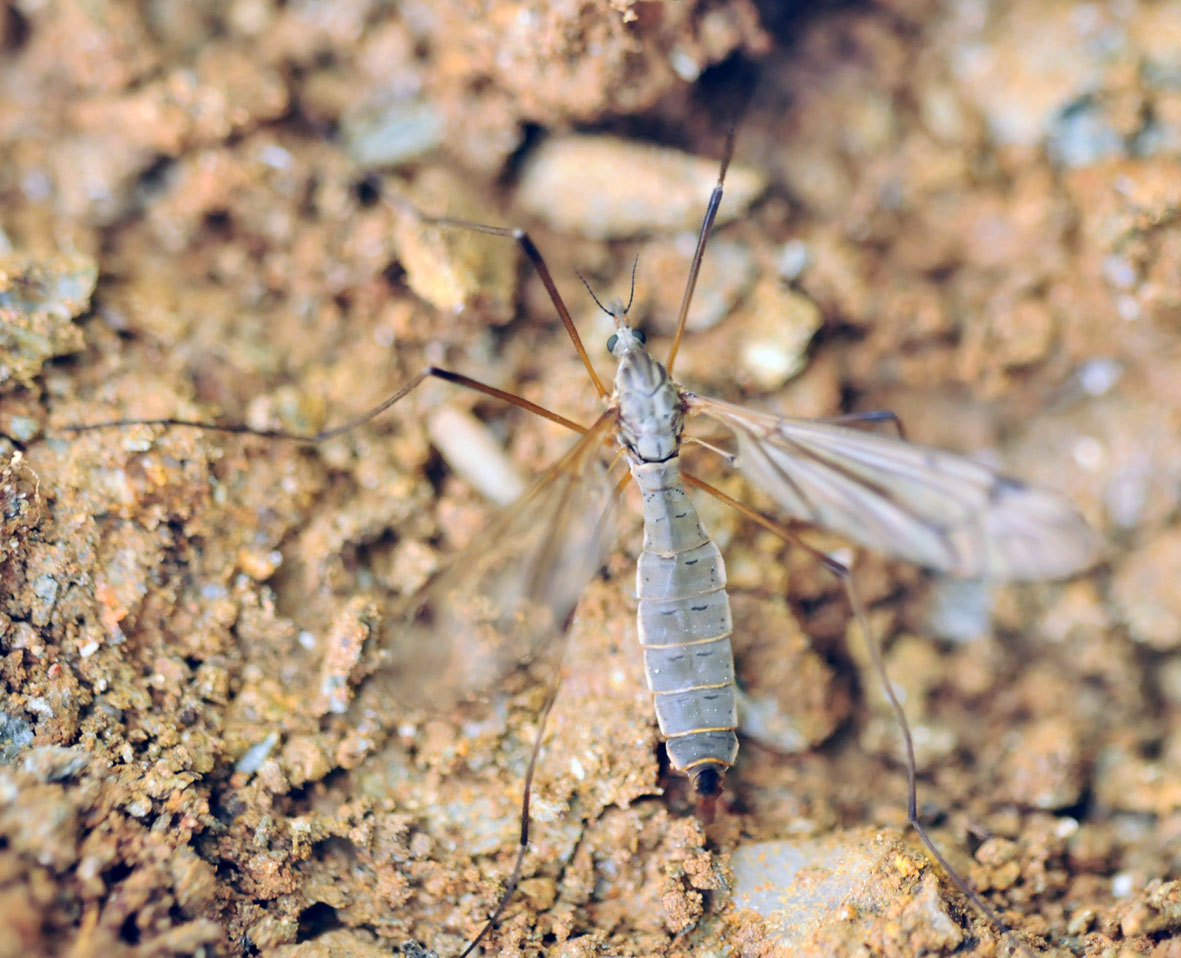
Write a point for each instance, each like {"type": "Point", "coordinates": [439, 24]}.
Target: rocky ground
{"type": "Point", "coordinates": [968, 214]}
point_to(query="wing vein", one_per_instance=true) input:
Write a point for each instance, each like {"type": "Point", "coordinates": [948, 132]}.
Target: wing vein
{"type": "Point", "coordinates": [930, 507]}
{"type": "Point", "coordinates": [510, 592]}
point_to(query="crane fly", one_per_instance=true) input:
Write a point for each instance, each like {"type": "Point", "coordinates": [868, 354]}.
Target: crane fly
{"type": "Point", "coordinates": [515, 589]}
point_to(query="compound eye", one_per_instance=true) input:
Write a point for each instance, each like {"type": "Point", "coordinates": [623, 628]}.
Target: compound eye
{"type": "Point", "coordinates": [640, 335]}
{"type": "Point", "coordinates": [611, 342]}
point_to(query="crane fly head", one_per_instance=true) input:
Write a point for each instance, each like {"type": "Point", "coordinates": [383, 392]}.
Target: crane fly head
{"type": "Point", "coordinates": [626, 338]}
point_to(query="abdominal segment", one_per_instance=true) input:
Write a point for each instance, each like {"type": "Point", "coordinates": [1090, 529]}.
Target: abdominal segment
{"type": "Point", "coordinates": [685, 625]}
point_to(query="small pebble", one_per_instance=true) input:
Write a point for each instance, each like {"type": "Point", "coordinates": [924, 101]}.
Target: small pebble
{"type": "Point", "coordinates": [603, 187]}
{"type": "Point", "coordinates": [475, 455]}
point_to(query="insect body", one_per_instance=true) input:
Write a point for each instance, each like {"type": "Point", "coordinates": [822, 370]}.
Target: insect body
{"type": "Point", "coordinates": [684, 611]}
{"type": "Point", "coordinates": [516, 587]}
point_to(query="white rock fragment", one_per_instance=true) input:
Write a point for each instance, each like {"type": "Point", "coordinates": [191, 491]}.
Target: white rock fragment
{"type": "Point", "coordinates": [774, 340]}
{"type": "Point", "coordinates": [450, 267]}
{"type": "Point", "coordinates": [254, 756]}
{"type": "Point", "coordinates": [474, 455]}
{"type": "Point", "coordinates": [394, 134]}
{"type": "Point", "coordinates": [803, 888]}
{"type": "Point", "coordinates": [603, 187]}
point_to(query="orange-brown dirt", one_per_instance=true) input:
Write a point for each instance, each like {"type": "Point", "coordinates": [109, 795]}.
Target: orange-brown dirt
{"type": "Point", "coordinates": [972, 216]}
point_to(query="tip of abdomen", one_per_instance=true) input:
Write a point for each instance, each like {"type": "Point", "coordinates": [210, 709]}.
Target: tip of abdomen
{"type": "Point", "coordinates": [707, 783]}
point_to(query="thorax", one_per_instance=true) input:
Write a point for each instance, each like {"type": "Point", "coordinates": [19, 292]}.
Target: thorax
{"type": "Point", "coordinates": [651, 411]}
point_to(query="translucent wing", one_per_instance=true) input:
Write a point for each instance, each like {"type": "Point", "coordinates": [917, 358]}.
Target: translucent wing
{"type": "Point", "coordinates": [511, 591]}
{"type": "Point", "coordinates": [929, 507]}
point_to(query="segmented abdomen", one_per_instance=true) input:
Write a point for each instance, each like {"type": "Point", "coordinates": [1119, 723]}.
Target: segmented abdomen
{"type": "Point", "coordinates": [684, 624]}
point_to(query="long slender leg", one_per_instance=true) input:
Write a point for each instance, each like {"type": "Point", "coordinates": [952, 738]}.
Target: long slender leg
{"type": "Point", "coordinates": [711, 213]}
{"type": "Point", "coordinates": [542, 719]}
{"type": "Point", "coordinates": [324, 435]}
{"type": "Point", "coordinates": [530, 250]}
{"type": "Point", "coordinates": [526, 795]}
{"type": "Point", "coordinates": [431, 371]}
{"type": "Point", "coordinates": [844, 574]}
